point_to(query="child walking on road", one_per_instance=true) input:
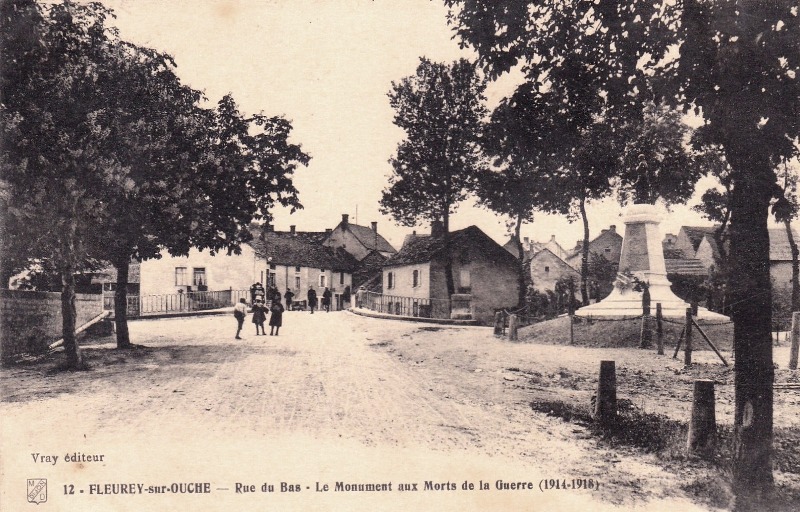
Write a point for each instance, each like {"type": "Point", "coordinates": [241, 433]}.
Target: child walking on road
{"type": "Point", "coordinates": [259, 316]}
{"type": "Point", "coordinates": [276, 319]}
{"type": "Point", "coordinates": [239, 312]}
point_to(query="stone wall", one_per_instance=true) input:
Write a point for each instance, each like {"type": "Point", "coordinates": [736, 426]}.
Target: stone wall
{"type": "Point", "coordinates": [29, 321]}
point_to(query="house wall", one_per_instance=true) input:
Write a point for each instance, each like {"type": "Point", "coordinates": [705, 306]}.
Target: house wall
{"type": "Point", "coordinates": [223, 272]}
{"type": "Point", "coordinates": [546, 269]}
{"type": "Point", "coordinates": [285, 278]}
{"type": "Point", "coordinates": [705, 254]}
{"type": "Point", "coordinates": [494, 286]}
{"type": "Point", "coordinates": [608, 244]}
{"type": "Point", "coordinates": [781, 276]}
{"type": "Point", "coordinates": [403, 281]}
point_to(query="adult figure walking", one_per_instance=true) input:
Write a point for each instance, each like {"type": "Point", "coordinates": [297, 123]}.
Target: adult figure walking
{"type": "Point", "coordinates": [312, 299]}
{"type": "Point", "coordinates": [259, 316]}
{"type": "Point", "coordinates": [239, 312]}
{"type": "Point", "coordinates": [326, 300]}
{"type": "Point", "coordinates": [276, 318]}
{"type": "Point", "coordinates": [288, 296]}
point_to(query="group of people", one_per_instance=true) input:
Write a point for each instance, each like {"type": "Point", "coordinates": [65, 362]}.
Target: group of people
{"type": "Point", "coordinates": [260, 310]}
{"type": "Point", "coordinates": [275, 309]}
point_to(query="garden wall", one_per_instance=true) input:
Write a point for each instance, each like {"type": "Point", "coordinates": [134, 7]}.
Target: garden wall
{"type": "Point", "coordinates": [29, 321]}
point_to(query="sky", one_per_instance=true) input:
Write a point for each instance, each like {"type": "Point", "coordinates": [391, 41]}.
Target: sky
{"type": "Point", "coordinates": [327, 66]}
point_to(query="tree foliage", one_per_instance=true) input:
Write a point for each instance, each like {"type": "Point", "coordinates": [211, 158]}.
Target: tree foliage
{"type": "Point", "coordinates": [440, 108]}
{"type": "Point", "coordinates": [655, 162]}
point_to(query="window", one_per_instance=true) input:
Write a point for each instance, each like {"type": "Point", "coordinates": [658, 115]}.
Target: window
{"type": "Point", "coordinates": [415, 278]}
{"type": "Point", "coordinates": [297, 282]}
{"type": "Point", "coordinates": [297, 269]}
{"type": "Point", "coordinates": [390, 280]}
{"type": "Point", "coordinates": [547, 269]}
{"type": "Point", "coordinates": [180, 276]}
{"type": "Point", "coordinates": [323, 281]}
{"type": "Point", "coordinates": [608, 250]}
{"type": "Point", "coordinates": [341, 277]}
{"type": "Point", "coordinates": [272, 266]}
{"type": "Point", "coordinates": [199, 277]}
{"type": "Point", "coordinates": [271, 279]}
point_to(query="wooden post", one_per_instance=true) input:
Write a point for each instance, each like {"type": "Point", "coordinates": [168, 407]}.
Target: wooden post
{"type": "Point", "coordinates": [498, 323]}
{"type": "Point", "coordinates": [571, 329]}
{"type": "Point", "coordinates": [703, 425]}
{"type": "Point", "coordinates": [646, 334]}
{"type": "Point", "coordinates": [795, 340]}
{"type": "Point", "coordinates": [605, 407]}
{"type": "Point", "coordinates": [687, 355]}
{"type": "Point", "coordinates": [659, 329]}
{"type": "Point", "coordinates": [512, 328]}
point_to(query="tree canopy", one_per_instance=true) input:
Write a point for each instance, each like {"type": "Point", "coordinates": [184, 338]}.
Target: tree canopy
{"type": "Point", "coordinates": [107, 155]}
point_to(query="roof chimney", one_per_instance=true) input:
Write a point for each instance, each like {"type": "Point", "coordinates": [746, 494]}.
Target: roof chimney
{"type": "Point", "coordinates": [552, 238]}
{"type": "Point", "coordinates": [345, 218]}
{"type": "Point", "coordinates": [375, 226]}
{"type": "Point", "coordinates": [292, 229]}
{"type": "Point", "coordinates": [612, 228]}
{"type": "Point", "coordinates": [270, 228]}
{"type": "Point", "coordinates": [328, 230]}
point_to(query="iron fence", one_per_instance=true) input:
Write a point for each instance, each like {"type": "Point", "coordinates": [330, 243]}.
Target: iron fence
{"type": "Point", "coordinates": [143, 305]}
{"type": "Point", "coordinates": [406, 306]}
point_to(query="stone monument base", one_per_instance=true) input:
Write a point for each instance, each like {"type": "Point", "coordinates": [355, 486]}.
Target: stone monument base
{"type": "Point", "coordinates": [627, 303]}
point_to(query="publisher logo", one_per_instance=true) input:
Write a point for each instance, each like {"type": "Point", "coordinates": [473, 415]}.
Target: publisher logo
{"type": "Point", "coordinates": [37, 490]}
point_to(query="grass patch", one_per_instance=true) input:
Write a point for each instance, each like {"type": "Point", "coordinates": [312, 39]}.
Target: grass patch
{"type": "Point", "coordinates": [622, 333]}
{"type": "Point", "coordinates": [666, 439]}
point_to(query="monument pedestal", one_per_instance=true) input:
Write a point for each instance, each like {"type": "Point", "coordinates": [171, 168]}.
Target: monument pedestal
{"type": "Point", "coordinates": [642, 258]}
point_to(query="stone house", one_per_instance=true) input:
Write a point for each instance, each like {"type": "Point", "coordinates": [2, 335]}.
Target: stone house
{"type": "Point", "coordinates": [607, 244]}
{"type": "Point", "coordinates": [299, 260]}
{"type": "Point", "coordinates": [531, 247]}
{"type": "Point", "coordinates": [547, 268]}
{"type": "Point", "coordinates": [368, 248]}
{"type": "Point", "coordinates": [481, 268]}
{"type": "Point", "coordinates": [697, 242]}
{"type": "Point", "coordinates": [288, 259]}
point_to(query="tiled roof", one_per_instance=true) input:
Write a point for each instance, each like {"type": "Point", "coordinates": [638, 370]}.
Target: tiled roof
{"type": "Point", "coordinates": [685, 267]}
{"type": "Point", "coordinates": [424, 248]}
{"type": "Point", "coordinates": [303, 249]}
{"type": "Point", "coordinates": [779, 248]}
{"type": "Point", "coordinates": [368, 238]}
{"type": "Point", "coordinates": [697, 233]}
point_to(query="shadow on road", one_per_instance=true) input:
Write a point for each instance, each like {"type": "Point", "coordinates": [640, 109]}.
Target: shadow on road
{"type": "Point", "coordinates": [140, 367]}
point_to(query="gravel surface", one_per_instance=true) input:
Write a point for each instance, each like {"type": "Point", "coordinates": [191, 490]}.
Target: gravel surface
{"type": "Point", "coordinates": [338, 397]}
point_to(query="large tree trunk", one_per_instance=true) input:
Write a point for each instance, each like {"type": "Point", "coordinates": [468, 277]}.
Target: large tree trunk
{"type": "Point", "coordinates": [448, 258]}
{"type": "Point", "coordinates": [584, 255]}
{"type": "Point", "coordinates": [521, 295]}
{"type": "Point", "coordinates": [750, 295]}
{"type": "Point", "coordinates": [121, 263]}
{"type": "Point", "coordinates": [795, 266]}
{"type": "Point", "coordinates": [69, 313]}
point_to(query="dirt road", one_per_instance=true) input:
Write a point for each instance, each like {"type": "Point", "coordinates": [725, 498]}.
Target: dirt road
{"type": "Point", "coordinates": [329, 400]}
